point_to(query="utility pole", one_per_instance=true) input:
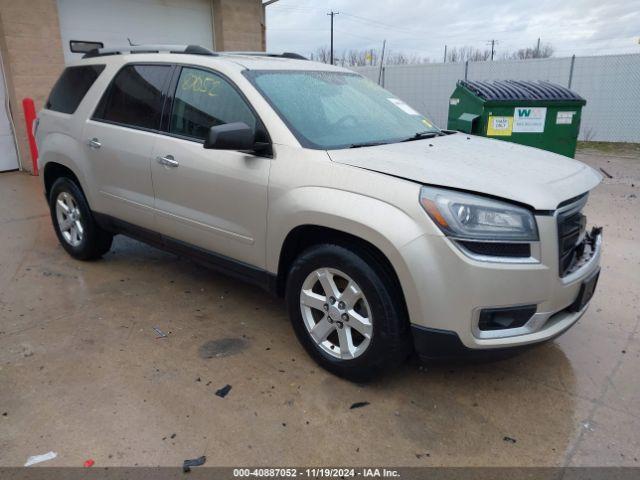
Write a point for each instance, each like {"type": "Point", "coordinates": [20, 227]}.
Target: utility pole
{"type": "Point", "coordinates": [445, 54]}
{"type": "Point", "coordinates": [332, 14]}
{"type": "Point", "coordinates": [493, 44]}
{"type": "Point", "coordinates": [538, 49]}
{"type": "Point", "coordinates": [384, 44]}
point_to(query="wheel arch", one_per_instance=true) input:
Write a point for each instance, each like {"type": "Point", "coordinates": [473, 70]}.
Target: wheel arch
{"type": "Point", "coordinates": [62, 155]}
{"type": "Point", "coordinates": [305, 236]}
{"type": "Point", "coordinates": [310, 215]}
{"type": "Point", "coordinates": [55, 170]}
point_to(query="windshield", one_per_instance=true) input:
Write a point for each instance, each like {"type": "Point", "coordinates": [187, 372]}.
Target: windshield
{"type": "Point", "coordinates": [331, 110]}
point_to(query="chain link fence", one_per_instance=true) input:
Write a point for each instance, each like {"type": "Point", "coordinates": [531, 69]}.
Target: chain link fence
{"type": "Point", "coordinates": [609, 83]}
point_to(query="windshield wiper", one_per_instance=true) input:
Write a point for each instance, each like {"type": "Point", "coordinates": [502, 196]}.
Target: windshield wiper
{"type": "Point", "coordinates": [367, 144]}
{"type": "Point", "coordinates": [421, 135]}
{"type": "Point", "coordinates": [417, 136]}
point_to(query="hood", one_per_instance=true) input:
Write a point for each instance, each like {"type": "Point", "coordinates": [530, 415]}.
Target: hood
{"type": "Point", "coordinates": [527, 175]}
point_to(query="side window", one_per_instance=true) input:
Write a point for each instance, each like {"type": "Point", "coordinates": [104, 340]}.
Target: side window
{"type": "Point", "coordinates": [203, 100]}
{"type": "Point", "coordinates": [71, 87]}
{"type": "Point", "coordinates": [135, 96]}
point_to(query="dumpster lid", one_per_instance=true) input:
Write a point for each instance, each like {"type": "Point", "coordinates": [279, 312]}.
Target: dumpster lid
{"type": "Point", "coordinates": [520, 90]}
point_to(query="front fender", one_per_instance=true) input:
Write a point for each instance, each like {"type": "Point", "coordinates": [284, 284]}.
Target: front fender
{"type": "Point", "coordinates": [385, 226]}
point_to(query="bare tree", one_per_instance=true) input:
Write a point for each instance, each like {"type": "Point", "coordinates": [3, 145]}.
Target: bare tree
{"type": "Point", "coordinates": [400, 58]}
{"type": "Point", "coordinates": [544, 51]}
{"type": "Point", "coordinates": [362, 57]}
{"type": "Point", "coordinates": [322, 54]}
{"type": "Point", "coordinates": [357, 58]}
{"type": "Point", "coordinates": [469, 53]}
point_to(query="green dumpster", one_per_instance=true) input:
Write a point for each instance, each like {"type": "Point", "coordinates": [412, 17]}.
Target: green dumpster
{"type": "Point", "coordinates": [537, 114]}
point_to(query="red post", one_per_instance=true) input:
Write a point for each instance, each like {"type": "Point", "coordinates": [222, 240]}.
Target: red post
{"type": "Point", "coordinates": [30, 116]}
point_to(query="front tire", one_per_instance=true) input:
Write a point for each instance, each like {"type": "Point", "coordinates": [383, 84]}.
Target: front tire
{"type": "Point", "coordinates": [73, 222]}
{"type": "Point", "coordinates": [346, 312]}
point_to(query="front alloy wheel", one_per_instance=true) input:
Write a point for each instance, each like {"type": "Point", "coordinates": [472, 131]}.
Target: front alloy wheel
{"type": "Point", "coordinates": [336, 313]}
{"type": "Point", "coordinates": [347, 310]}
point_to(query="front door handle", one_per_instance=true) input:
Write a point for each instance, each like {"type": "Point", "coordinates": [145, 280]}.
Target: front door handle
{"type": "Point", "coordinates": [168, 161]}
{"type": "Point", "coordinates": [94, 143]}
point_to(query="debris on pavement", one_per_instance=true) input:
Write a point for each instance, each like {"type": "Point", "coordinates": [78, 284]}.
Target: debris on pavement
{"type": "Point", "coordinates": [606, 173]}
{"type": "Point", "coordinates": [358, 405]}
{"type": "Point", "coordinates": [159, 333]}
{"type": "Point", "coordinates": [509, 439]}
{"type": "Point", "coordinates": [88, 463]}
{"type": "Point", "coordinates": [196, 462]}
{"type": "Point", "coordinates": [223, 391]}
{"type": "Point", "coordinates": [33, 459]}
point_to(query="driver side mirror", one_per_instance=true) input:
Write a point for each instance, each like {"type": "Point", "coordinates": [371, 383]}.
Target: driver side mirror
{"type": "Point", "coordinates": [233, 136]}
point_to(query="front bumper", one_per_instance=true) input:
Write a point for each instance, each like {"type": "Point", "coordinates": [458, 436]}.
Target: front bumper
{"type": "Point", "coordinates": [433, 344]}
{"type": "Point", "coordinates": [453, 289]}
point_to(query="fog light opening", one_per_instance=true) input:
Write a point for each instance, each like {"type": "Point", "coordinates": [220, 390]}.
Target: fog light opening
{"type": "Point", "coordinates": [505, 318]}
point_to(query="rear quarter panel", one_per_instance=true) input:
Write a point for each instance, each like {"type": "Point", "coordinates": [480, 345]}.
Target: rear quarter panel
{"type": "Point", "coordinates": [60, 135]}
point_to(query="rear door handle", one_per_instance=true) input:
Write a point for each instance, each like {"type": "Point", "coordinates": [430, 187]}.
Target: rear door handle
{"type": "Point", "coordinates": [168, 161]}
{"type": "Point", "coordinates": [94, 143]}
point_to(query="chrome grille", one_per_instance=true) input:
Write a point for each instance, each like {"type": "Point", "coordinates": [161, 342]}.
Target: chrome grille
{"type": "Point", "coordinates": [571, 232]}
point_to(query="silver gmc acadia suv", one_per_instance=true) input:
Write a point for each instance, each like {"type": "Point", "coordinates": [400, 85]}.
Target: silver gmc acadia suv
{"type": "Point", "coordinates": [385, 234]}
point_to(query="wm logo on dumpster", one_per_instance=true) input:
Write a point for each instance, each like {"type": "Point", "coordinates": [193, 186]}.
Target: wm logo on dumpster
{"type": "Point", "coordinates": [529, 119]}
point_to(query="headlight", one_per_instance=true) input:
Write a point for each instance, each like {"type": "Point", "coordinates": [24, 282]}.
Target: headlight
{"type": "Point", "coordinates": [472, 217]}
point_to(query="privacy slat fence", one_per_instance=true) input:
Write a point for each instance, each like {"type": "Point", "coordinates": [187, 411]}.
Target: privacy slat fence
{"type": "Point", "coordinates": [609, 83]}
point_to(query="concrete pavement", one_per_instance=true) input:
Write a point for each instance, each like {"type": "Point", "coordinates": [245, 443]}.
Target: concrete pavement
{"type": "Point", "coordinates": [83, 373]}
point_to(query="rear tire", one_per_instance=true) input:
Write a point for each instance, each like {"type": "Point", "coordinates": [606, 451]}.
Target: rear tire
{"type": "Point", "coordinates": [73, 222]}
{"type": "Point", "coordinates": [347, 312]}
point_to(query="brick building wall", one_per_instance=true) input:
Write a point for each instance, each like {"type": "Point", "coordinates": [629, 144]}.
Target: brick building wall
{"type": "Point", "coordinates": [32, 54]}
{"type": "Point", "coordinates": [32, 57]}
{"type": "Point", "coordinates": [238, 25]}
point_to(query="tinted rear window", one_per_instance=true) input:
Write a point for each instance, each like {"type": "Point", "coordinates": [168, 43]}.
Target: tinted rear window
{"type": "Point", "coordinates": [72, 86]}
{"type": "Point", "coordinates": [134, 98]}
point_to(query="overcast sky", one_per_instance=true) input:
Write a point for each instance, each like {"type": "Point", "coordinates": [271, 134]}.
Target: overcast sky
{"type": "Point", "coordinates": [423, 27]}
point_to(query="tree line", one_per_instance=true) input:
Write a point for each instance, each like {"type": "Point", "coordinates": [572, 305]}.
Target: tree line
{"type": "Point", "coordinates": [362, 57]}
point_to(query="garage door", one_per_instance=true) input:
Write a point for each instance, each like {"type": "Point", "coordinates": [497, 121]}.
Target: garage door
{"type": "Point", "coordinates": [112, 22]}
{"type": "Point", "coordinates": [8, 154]}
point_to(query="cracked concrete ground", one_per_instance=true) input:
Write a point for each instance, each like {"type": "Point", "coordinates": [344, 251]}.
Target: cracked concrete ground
{"type": "Point", "coordinates": [83, 373]}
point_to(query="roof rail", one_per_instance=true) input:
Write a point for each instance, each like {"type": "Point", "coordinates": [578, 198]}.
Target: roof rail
{"type": "Point", "coordinates": [293, 55]}
{"type": "Point", "coordinates": [185, 49]}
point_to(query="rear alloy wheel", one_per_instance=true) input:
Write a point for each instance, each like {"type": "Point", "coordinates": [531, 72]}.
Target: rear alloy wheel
{"type": "Point", "coordinates": [77, 231]}
{"type": "Point", "coordinates": [336, 313]}
{"type": "Point", "coordinates": [347, 311]}
{"type": "Point", "coordinates": [69, 219]}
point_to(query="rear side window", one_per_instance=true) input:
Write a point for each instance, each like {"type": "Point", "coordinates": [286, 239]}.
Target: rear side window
{"type": "Point", "coordinates": [71, 87]}
{"type": "Point", "coordinates": [134, 97]}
